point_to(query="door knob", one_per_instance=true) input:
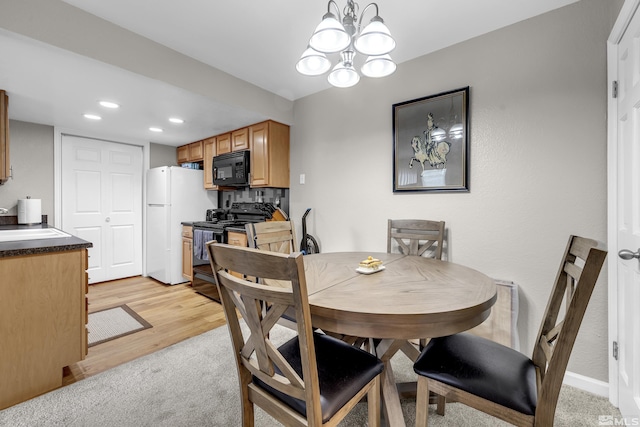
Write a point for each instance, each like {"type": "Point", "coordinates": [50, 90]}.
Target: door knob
{"type": "Point", "coordinates": [627, 254]}
{"type": "Point", "coordinates": [107, 219]}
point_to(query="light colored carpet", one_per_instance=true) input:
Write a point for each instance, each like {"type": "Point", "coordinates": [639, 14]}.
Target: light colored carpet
{"type": "Point", "coordinates": [112, 323]}
{"type": "Point", "coordinates": [194, 383]}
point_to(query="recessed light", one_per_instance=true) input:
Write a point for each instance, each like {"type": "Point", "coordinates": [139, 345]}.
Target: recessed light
{"type": "Point", "coordinates": [152, 129]}
{"type": "Point", "coordinates": [176, 120]}
{"type": "Point", "coordinates": [92, 117]}
{"type": "Point", "coordinates": [109, 104]}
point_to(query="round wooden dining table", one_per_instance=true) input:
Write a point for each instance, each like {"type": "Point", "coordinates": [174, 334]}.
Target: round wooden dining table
{"type": "Point", "coordinates": [410, 298]}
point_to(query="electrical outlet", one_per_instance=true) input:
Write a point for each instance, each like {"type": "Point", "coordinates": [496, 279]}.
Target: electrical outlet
{"type": "Point", "coordinates": [302, 178]}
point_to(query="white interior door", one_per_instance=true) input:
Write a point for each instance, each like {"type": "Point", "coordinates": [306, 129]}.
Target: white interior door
{"type": "Point", "coordinates": [101, 190]}
{"type": "Point", "coordinates": [624, 212]}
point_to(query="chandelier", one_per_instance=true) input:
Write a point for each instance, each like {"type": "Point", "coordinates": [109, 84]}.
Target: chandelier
{"type": "Point", "coordinates": [335, 34]}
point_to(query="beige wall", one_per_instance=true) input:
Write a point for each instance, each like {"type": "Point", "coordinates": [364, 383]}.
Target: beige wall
{"type": "Point", "coordinates": [31, 154]}
{"type": "Point", "coordinates": [162, 155]}
{"type": "Point", "coordinates": [538, 159]}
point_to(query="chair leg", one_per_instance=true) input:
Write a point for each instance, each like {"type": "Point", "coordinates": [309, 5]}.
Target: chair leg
{"type": "Point", "coordinates": [422, 402]}
{"type": "Point", "coordinates": [248, 417]}
{"type": "Point", "coordinates": [440, 405]}
{"type": "Point", "coordinates": [373, 402]}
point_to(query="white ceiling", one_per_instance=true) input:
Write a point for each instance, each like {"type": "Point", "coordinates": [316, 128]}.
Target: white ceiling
{"type": "Point", "coordinates": [255, 40]}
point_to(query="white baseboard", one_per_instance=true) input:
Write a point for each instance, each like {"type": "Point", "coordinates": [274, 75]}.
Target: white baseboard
{"type": "Point", "coordinates": [587, 384]}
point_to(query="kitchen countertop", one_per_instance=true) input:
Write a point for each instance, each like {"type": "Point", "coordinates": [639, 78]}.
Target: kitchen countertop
{"type": "Point", "coordinates": [39, 246]}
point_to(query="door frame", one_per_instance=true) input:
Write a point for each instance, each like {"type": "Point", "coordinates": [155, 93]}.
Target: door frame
{"type": "Point", "coordinates": [57, 177]}
{"type": "Point", "coordinates": [627, 11]}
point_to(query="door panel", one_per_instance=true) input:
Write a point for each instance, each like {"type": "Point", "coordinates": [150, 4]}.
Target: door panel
{"type": "Point", "coordinates": [625, 202]}
{"type": "Point", "coordinates": [102, 203]}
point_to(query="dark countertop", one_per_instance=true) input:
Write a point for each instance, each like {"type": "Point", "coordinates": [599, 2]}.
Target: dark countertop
{"type": "Point", "coordinates": [39, 246]}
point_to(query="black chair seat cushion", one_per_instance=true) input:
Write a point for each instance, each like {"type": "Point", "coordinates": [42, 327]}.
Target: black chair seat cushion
{"type": "Point", "coordinates": [343, 370]}
{"type": "Point", "coordinates": [483, 368]}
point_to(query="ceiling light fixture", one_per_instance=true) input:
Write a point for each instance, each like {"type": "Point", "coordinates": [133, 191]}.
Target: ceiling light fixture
{"type": "Point", "coordinates": [92, 117]}
{"type": "Point", "coordinates": [176, 120]}
{"type": "Point", "coordinates": [336, 34]}
{"type": "Point", "coordinates": [109, 104]}
{"type": "Point", "coordinates": [154, 129]}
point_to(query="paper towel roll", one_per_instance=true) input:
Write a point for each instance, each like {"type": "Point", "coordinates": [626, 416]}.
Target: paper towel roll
{"type": "Point", "coordinates": [29, 211]}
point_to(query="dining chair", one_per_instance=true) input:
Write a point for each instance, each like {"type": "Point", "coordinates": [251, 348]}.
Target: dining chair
{"type": "Point", "coordinates": [310, 380]}
{"type": "Point", "coordinates": [503, 382]}
{"type": "Point", "coordinates": [415, 236]}
{"type": "Point", "coordinates": [274, 236]}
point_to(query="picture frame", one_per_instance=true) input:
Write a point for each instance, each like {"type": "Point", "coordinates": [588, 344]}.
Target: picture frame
{"type": "Point", "coordinates": [431, 143]}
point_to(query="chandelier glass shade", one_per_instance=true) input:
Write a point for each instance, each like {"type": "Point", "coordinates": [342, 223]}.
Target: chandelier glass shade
{"type": "Point", "coordinates": [313, 63]}
{"type": "Point", "coordinates": [340, 34]}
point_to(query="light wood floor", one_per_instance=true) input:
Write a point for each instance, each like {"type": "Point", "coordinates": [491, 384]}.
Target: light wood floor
{"type": "Point", "coordinates": [175, 312]}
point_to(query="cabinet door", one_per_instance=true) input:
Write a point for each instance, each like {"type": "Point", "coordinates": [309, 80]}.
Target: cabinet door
{"type": "Point", "coordinates": [240, 139]}
{"type": "Point", "coordinates": [187, 258]}
{"type": "Point", "coordinates": [236, 239]}
{"type": "Point", "coordinates": [196, 153]}
{"type": "Point", "coordinates": [223, 143]}
{"type": "Point", "coordinates": [209, 152]}
{"type": "Point", "coordinates": [183, 154]}
{"type": "Point", "coordinates": [269, 144]}
{"type": "Point", "coordinates": [259, 139]}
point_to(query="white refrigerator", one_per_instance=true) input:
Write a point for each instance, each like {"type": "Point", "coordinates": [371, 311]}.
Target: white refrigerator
{"type": "Point", "coordinates": [174, 195]}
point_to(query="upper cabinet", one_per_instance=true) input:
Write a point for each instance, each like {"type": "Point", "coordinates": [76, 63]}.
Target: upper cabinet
{"type": "Point", "coordinates": [233, 141]}
{"type": "Point", "coordinates": [269, 145]}
{"type": "Point", "coordinates": [193, 152]}
{"type": "Point", "coordinates": [240, 139]}
{"type": "Point", "coordinates": [223, 143]}
{"type": "Point", "coordinates": [209, 152]}
{"type": "Point", "coordinates": [5, 166]}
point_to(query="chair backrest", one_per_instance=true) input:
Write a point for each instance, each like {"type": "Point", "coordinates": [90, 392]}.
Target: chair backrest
{"type": "Point", "coordinates": [416, 236]}
{"type": "Point", "coordinates": [274, 236]}
{"type": "Point", "coordinates": [255, 353]}
{"type": "Point", "coordinates": [576, 278]}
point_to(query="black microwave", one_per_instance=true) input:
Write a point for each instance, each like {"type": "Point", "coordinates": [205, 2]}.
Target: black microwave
{"type": "Point", "coordinates": [231, 169]}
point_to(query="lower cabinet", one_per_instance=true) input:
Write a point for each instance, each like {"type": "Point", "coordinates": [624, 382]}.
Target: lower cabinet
{"type": "Point", "coordinates": [187, 252]}
{"type": "Point", "coordinates": [236, 239]}
{"type": "Point", "coordinates": [43, 318]}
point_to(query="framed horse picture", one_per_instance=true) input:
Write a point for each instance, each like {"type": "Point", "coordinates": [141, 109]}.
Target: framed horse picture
{"type": "Point", "coordinates": [431, 143]}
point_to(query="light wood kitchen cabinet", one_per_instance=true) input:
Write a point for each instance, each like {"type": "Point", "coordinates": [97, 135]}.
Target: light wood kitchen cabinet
{"type": "Point", "coordinates": [209, 152]}
{"type": "Point", "coordinates": [43, 317]}
{"type": "Point", "coordinates": [182, 154]}
{"type": "Point", "coordinates": [269, 145]}
{"type": "Point", "coordinates": [196, 152]}
{"type": "Point", "coordinates": [187, 252]}
{"type": "Point", "coordinates": [223, 143]}
{"type": "Point", "coordinates": [237, 239]}
{"type": "Point", "coordinates": [188, 153]}
{"type": "Point", "coordinates": [5, 165]}
{"type": "Point", "coordinates": [240, 139]}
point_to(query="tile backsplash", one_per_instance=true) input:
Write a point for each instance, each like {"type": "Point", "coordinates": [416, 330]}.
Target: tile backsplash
{"type": "Point", "coordinates": [277, 196]}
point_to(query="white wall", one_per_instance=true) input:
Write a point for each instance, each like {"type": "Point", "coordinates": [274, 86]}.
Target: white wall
{"type": "Point", "coordinates": [538, 159]}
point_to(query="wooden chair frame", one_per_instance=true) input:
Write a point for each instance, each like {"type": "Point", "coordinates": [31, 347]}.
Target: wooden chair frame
{"type": "Point", "coordinates": [256, 355]}
{"type": "Point", "coordinates": [408, 233]}
{"type": "Point", "coordinates": [274, 236]}
{"type": "Point", "coordinates": [574, 284]}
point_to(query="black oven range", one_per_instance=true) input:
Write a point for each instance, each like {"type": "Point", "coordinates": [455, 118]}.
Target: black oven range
{"type": "Point", "coordinates": [218, 223]}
